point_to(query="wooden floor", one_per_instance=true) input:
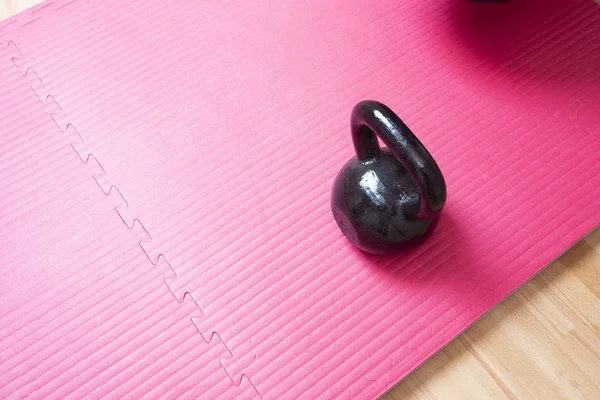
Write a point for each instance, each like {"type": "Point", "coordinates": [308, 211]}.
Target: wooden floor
{"type": "Point", "coordinates": [543, 342]}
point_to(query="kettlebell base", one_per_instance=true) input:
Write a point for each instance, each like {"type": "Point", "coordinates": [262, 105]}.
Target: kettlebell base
{"type": "Point", "coordinates": [375, 246]}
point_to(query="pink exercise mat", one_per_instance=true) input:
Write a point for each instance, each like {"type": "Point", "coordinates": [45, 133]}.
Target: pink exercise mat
{"type": "Point", "coordinates": [223, 125]}
{"type": "Point", "coordinates": [84, 313]}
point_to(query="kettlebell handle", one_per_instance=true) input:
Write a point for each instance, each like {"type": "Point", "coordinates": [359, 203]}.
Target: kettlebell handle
{"type": "Point", "coordinates": [371, 119]}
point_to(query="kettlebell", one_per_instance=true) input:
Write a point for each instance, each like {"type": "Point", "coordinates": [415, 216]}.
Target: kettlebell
{"type": "Point", "coordinates": [386, 199]}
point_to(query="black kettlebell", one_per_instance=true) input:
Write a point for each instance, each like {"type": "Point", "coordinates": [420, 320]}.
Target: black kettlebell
{"type": "Point", "coordinates": [384, 200]}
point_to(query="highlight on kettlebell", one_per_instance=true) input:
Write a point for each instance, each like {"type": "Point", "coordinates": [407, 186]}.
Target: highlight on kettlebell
{"type": "Point", "coordinates": [386, 199]}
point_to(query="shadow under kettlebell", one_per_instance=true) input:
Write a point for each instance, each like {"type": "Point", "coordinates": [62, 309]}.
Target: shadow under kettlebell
{"type": "Point", "coordinates": [385, 200]}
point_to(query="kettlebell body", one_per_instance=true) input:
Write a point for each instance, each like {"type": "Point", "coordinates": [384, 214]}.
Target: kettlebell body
{"type": "Point", "coordinates": [385, 200]}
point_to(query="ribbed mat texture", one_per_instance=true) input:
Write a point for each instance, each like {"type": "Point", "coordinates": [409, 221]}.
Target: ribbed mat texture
{"type": "Point", "coordinates": [211, 132]}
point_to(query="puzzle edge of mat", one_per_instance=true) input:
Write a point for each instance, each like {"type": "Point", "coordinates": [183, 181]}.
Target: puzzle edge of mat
{"type": "Point", "coordinates": [120, 205]}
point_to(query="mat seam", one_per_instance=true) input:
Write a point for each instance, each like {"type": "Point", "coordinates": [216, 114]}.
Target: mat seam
{"type": "Point", "coordinates": [86, 156]}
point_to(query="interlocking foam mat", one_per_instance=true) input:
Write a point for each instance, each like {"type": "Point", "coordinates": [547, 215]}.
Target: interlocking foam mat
{"type": "Point", "coordinates": [166, 167]}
